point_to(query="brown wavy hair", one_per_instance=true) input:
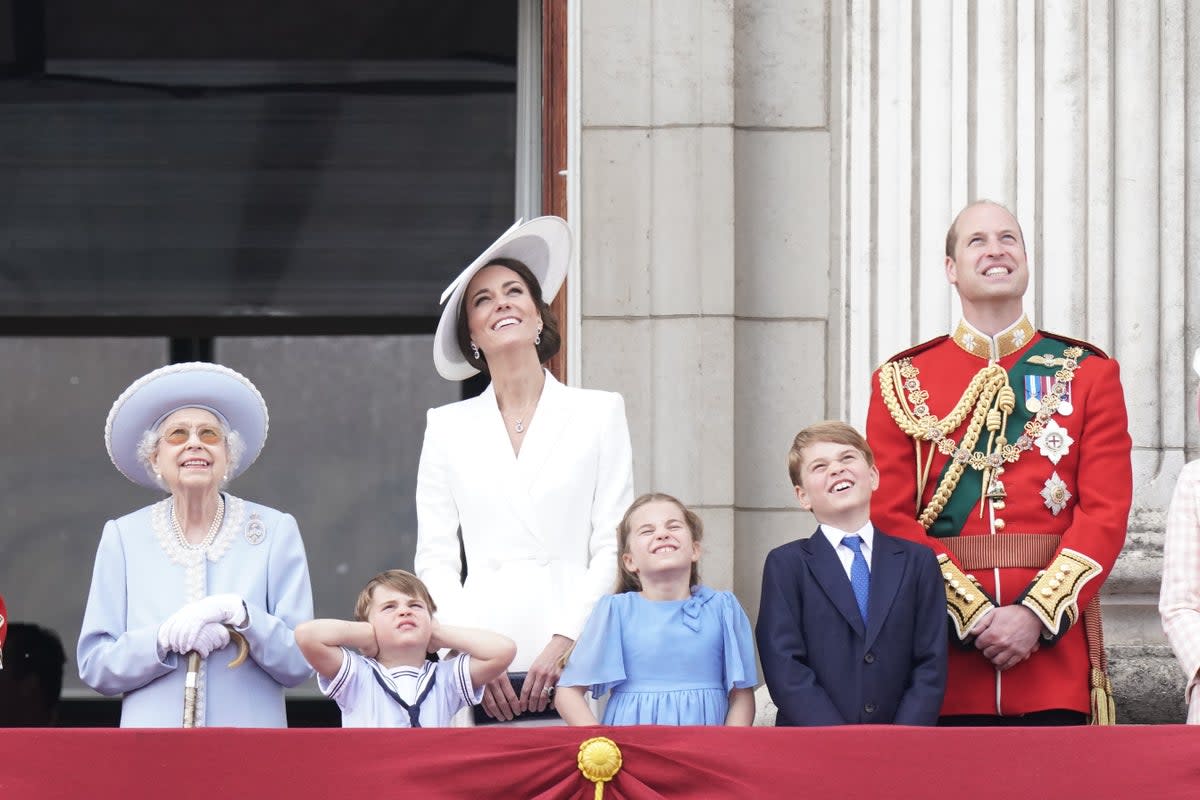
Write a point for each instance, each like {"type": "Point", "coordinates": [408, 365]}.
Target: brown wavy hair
{"type": "Point", "coordinates": [628, 581]}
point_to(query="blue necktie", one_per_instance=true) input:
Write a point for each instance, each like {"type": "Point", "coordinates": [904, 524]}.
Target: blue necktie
{"type": "Point", "coordinates": [860, 575]}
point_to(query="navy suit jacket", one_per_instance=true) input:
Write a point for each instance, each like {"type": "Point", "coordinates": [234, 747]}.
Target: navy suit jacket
{"type": "Point", "coordinates": [822, 666]}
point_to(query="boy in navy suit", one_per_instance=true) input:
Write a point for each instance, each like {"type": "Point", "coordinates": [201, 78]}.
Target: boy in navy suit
{"type": "Point", "coordinates": [851, 628]}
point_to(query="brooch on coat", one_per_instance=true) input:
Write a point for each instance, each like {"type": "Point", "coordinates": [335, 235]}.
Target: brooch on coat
{"type": "Point", "coordinates": [256, 531]}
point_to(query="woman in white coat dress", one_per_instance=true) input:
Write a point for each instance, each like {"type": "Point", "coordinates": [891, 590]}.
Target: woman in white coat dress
{"type": "Point", "coordinates": [536, 474]}
{"type": "Point", "coordinates": [177, 576]}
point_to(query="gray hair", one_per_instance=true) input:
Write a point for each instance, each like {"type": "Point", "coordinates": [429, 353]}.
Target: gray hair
{"type": "Point", "coordinates": [235, 448]}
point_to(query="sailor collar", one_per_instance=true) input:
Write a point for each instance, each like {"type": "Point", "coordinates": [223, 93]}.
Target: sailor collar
{"type": "Point", "coordinates": [1005, 343]}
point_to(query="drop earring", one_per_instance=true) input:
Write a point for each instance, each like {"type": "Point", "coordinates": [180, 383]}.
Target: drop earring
{"type": "Point", "coordinates": [475, 350]}
{"type": "Point", "coordinates": [538, 338]}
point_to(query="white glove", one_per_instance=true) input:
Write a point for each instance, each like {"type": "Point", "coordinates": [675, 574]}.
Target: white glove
{"type": "Point", "coordinates": [180, 630]}
{"type": "Point", "coordinates": [212, 637]}
{"type": "Point", "coordinates": [223, 608]}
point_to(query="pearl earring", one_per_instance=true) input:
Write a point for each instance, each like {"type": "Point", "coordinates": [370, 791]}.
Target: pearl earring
{"type": "Point", "coordinates": [538, 339]}
{"type": "Point", "coordinates": [475, 350]}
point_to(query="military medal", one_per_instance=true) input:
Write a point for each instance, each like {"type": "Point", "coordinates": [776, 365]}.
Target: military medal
{"type": "Point", "coordinates": [1039, 387]}
{"type": "Point", "coordinates": [1064, 401]}
{"type": "Point", "coordinates": [256, 531]}
{"type": "Point", "coordinates": [1055, 494]}
{"type": "Point", "coordinates": [1054, 442]}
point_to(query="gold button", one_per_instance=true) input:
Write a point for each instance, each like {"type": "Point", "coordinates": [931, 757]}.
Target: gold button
{"type": "Point", "coordinates": [1054, 584]}
{"type": "Point", "coordinates": [998, 505]}
{"type": "Point", "coordinates": [998, 524]}
{"type": "Point", "coordinates": [947, 575]}
{"type": "Point", "coordinates": [1065, 568]}
{"type": "Point", "coordinates": [954, 584]}
{"type": "Point", "coordinates": [1046, 593]}
{"type": "Point", "coordinates": [970, 598]}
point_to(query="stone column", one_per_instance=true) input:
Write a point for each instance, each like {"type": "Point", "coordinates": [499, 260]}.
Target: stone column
{"type": "Point", "coordinates": [787, 345]}
{"type": "Point", "coordinates": [657, 249]}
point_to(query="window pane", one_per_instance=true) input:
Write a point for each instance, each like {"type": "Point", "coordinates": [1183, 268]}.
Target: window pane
{"type": "Point", "coordinates": [311, 204]}
{"type": "Point", "coordinates": [233, 161]}
{"type": "Point", "coordinates": [58, 483]}
{"type": "Point", "coordinates": [347, 421]}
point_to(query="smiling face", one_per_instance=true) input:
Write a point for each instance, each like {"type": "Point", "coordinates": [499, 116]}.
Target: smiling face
{"type": "Point", "coordinates": [988, 266]}
{"type": "Point", "coordinates": [836, 483]}
{"type": "Point", "coordinates": [401, 621]}
{"type": "Point", "coordinates": [192, 451]}
{"type": "Point", "coordinates": [659, 541]}
{"type": "Point", "coordinates": [501, 312]}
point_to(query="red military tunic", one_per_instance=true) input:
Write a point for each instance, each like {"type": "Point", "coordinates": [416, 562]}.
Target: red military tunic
{"type": "Point", "coordinates": [1062, 475]}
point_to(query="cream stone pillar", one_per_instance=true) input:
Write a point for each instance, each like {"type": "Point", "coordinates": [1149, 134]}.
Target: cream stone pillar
{"type": "Point", "coordinates": [787, 345]}
{"type": "Point", "coordinates": [1081, 117]}
{"type": "Point", "coordinates": [656, 217]}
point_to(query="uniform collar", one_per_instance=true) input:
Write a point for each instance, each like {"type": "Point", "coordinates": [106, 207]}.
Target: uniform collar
{"type": "Point", "coordinates": [1005, 343]}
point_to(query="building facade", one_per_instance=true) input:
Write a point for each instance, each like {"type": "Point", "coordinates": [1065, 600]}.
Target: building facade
{"type": "Point", "coordinates": [763, 189]}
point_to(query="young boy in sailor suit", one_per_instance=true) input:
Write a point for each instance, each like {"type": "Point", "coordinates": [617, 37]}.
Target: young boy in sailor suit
{"type": "Point", "coordinates": [389, 683]}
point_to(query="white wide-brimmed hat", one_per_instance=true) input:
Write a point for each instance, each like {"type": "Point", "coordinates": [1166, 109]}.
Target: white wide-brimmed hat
{"type": "Point", "coordinates": [543, 244]}
{"type": "Point", "coordinates": [197, 384]}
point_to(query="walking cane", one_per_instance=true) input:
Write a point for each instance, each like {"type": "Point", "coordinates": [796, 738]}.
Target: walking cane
{"type": "Point", "coordinates": [193, 675]}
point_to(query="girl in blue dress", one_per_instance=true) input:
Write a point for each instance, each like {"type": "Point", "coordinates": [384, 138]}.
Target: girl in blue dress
{"type": "Point", "coordinates": [671, 652]}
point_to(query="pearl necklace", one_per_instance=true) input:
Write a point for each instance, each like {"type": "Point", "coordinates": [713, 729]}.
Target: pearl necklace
{"type": "Point", "coordinates": [213, 528]}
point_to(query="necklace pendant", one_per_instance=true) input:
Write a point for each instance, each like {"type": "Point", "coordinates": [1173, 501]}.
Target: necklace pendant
{"type": "Point", "coordinates": [519, 427]}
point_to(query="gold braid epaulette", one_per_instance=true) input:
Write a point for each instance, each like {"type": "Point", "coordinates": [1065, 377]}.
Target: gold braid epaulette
{"type": "Point", "coordinates": [922, 426]}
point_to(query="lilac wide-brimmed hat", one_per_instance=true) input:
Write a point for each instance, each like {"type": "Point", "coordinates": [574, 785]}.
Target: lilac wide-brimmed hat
{"type": "Point", "coordinates": [197, 384]}
{"type": "Point", "coordinates": [543, 244]}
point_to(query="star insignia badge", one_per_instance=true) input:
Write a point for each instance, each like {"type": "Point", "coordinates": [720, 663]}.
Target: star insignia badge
{"type": "Point", "coordinates": [1055, 494]}
{"type": "Point", "coordinates": [1054, 441]}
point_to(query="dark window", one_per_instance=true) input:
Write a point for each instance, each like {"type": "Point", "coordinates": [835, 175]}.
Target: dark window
{"type": "Point", "coordinates": [282, 187]}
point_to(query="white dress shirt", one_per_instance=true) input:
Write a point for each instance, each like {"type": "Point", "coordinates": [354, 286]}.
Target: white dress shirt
{"type": "Point", "coordinates": [844, 553]}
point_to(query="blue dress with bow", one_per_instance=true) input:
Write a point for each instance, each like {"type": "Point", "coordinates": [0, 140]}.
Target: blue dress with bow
{"type": "Point", "coordinates": [666, 662]}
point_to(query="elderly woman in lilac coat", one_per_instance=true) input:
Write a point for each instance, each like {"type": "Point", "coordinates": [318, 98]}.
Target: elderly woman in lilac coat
{"type": "Point", "coordinates": [178, 576]}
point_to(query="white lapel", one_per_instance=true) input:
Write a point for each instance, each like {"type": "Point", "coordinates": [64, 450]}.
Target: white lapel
{"type": "Point", "coordinates": [518, 474]}
{"type": "Point", "coordinates": [553, 412]}
{"type": "Point", "coordinates": [543, 435]}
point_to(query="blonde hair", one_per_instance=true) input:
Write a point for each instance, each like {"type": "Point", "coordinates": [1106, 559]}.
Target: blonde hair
{"type": "Point", "coordinates": [830, 430]}
{"type": "Point", "coordinates": [628, 581]}
{"type": "Point", "coordinates": [396, 579]}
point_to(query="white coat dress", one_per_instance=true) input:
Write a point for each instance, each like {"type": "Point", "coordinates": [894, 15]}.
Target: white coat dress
{"type": "Point", "coordinates": [539, 528]}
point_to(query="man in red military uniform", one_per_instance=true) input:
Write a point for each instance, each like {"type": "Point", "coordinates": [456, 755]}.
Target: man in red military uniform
{"type": "Point", "coordinates": [1006, 450]}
